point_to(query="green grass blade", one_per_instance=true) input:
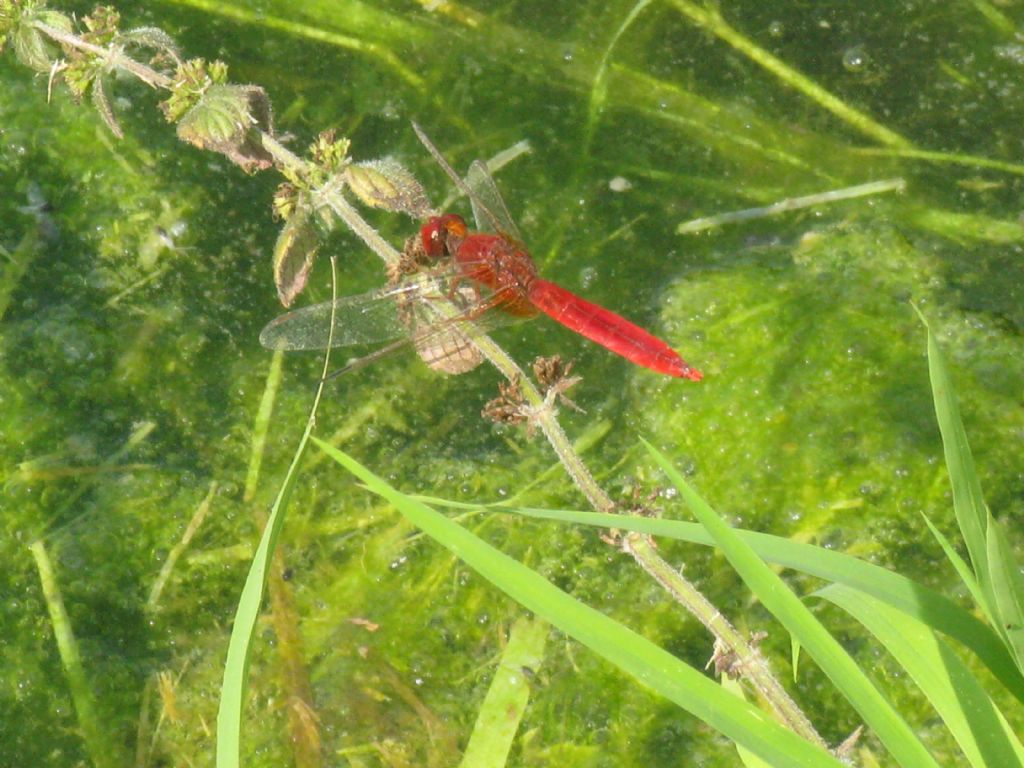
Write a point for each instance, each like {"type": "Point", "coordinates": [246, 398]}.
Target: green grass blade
{"type": "Point", "coordinates": [968, 502]}
{"type": "Point", "coordinates": [925, 605]}
{"type": "Point", "coordinates": [506, 699]}
{"type": "Point", "coordinates": [785, 606]}
{"type": "Point", "coordinates": [972, 718]}
{"type": "Point", "coordinates": [653, 666]}
{"type": "Point", "coordinates": [103, 749]}
{"type": "Point", "coordinates": [236, 666]}
{"type": "Point", "coordinates": [1008, 588]}
{"type": "Point", "coordinates": [962, 567]}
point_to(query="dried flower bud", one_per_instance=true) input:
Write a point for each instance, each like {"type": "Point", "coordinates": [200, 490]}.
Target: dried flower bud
{"type": "Point", "coordinates": [548, 371]}
{"type": "Point", "coordinates": [508, 407]}
{"type": "Point", "coordinates": [191, 80]}
{"type": "Point", "coordinates": [329, 152]}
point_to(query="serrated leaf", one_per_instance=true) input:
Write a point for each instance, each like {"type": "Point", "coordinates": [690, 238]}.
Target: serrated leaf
{"type": "Point", "coordinates": [224, 119]}
{"type": "Point", "coordinates": [221, 116]}
{"type": "Point", "coordinates": [102, 104]}
{"type": "Point", "coordinates": [31, 47]}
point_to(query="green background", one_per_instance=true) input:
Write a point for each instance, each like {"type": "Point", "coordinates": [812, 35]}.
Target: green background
{"type": "Point", "coordinates": [130, 371]}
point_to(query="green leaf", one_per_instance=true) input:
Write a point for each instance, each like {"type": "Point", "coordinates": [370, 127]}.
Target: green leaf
{"type": "Point", "coordinates": [1008, 587]}
{"type": "Point", "coordinates": [506, 700]}
{"type": "Point", "coordinates": [966, 709]}
{"type": "Point", "coordinates": [222, 121]}
{"type": "Point", "coordinates": [968, 503]}
{"type": "Point", "coordinates": [834, 661]}
{"type": "Point", "coordinates": [647, 663]}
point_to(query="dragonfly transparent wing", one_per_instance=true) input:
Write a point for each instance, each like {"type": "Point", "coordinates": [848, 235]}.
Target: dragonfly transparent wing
{"type": "Point", "coordinates": [440, 341]}
{"type": "Point", "coordinates": [424, 312]}
{"type": "Point", "coordinates": [368, 318]}
{"type": "Point", "coordinates": [489, 207]}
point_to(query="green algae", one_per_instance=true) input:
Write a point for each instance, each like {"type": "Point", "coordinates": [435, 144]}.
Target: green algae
{"type": "Point", "coordinates": [814, 420]}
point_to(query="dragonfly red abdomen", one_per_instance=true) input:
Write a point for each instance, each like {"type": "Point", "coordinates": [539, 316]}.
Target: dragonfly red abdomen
{"type": "Point", "coordinates": [610, 330]}
{"type": "Point", "coordinates": [503, 265]}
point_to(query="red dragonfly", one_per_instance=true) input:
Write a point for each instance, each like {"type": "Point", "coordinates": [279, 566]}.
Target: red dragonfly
{"type": "Point", "coordinates": [487, 270]}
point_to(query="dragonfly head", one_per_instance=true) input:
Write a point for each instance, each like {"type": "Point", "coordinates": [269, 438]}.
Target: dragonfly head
{"type": "Point", "coordinates": [442, 235]}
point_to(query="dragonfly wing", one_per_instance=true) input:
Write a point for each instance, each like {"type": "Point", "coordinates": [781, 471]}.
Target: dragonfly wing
{"type": "Point", "coordinates": [489, 207]}
{"type": "Point", "coordinates": [448, 349]}
{"type": "Point", "coordinates": [364, 319]}
{"type": "Point", "coordinates": [439, 329]}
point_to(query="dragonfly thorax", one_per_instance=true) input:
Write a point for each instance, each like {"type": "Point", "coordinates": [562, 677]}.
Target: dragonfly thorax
{"type": "Point", "coordinates": [501, 264]}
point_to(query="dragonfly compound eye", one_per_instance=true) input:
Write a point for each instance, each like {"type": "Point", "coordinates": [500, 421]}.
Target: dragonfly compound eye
{"type": "Point", "coordinates": [432, 236]}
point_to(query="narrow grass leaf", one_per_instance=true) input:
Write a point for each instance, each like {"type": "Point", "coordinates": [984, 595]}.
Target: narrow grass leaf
{"type": "Point", "coordinates": [236, 666]}
{"type": "Point", "coordinates": [652, 666]}
{"type": "Point", "coordinates": [776, 596]}
{"type": "Point", "coordinates": [925, 605]}
{"type": "Point", "coordinates": [506, 699]}
{"type": "Point", "coordinates": [104, 751]}
{"type": "Point", "coordinates": [962, 567]}
{"type": "Point", "coordinates": [961, 701]}
{"type": "Point", "coordinates": [968, 502]}
{"type": "Point", "coordinates": [1008, 587]}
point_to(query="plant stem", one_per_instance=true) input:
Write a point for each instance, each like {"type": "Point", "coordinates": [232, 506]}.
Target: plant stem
{"type": "Point", "coordinates": [114, 56]}
{"type": "Point", "coordinates": [732, 649]}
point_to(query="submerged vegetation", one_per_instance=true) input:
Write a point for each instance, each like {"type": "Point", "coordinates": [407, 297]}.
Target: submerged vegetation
{"type": "Point", "coordinates": [801, 227]}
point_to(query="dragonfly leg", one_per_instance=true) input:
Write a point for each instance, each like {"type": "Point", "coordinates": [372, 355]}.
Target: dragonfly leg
{"type": "Point", "coordinates": [498, 298]}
